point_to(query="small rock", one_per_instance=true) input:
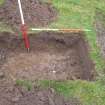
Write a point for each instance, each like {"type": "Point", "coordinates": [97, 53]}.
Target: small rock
{"type": "Point", "coordinates": [54, 71]}
{"type": "Point", "coordinates": [2, 75]}
{"type": "Point", "coordinates": [15, 99]}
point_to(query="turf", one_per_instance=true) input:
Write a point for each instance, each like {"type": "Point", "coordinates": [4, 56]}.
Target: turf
{"type": "Point", "coordinates": [1, 2]}
{"type": "Point", "coordinates": [80, 14]}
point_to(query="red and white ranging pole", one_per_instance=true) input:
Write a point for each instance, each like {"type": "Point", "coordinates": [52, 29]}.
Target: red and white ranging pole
{"type": "Point", "coordinates": [23, 28]}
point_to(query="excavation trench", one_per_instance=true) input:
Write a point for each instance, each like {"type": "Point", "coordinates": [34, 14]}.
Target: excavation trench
{"type": "Point", "coordinates": [52, 56]}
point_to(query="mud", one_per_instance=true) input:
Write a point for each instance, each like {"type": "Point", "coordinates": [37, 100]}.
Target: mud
{"type": "Point", "coordinates": [15, 95]}
{"type": "Point", "coordinates": [52, 56]}
{"type": "Point", "coordinates": [36, 13]}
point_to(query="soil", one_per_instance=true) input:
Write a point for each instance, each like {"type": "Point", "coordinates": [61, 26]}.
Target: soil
{"type": "Point", "coordinates": [36, 13]}
{"type": "Point", "coordinates": [52, 56]}
{"type": "Point", "coordinates": [15, 95]}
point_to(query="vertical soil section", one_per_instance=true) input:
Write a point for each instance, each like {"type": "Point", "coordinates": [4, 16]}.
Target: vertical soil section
{"type": "Point", "coordinates": [53, 56]}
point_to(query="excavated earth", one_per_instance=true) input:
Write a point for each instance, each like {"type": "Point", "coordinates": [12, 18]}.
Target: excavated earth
{"type": "Point", "coordinates": [16, 95]}
{"type": "Point", "coordinates": [52, 56]}
{"type": "Point", "coordinates": [36, 13]}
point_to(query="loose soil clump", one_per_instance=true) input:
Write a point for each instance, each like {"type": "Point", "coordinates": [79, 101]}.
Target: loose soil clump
{"type": "Point", "coordinates": [36, 13]}
{"type": "Point", "coordinates": [15, 95]}
{"type": "Point", "coordinates": [52, 56]}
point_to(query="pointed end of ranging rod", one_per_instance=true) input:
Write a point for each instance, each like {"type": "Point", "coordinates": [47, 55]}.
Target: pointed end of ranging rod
{"type": "Point", "coordinates": [28, 50]}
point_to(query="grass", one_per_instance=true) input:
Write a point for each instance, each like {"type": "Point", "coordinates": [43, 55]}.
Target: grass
{"type": "Point", "coordinates": [27, 84]}
{"type": "Point", "coordinates": [1, 2]}
{"type": "Point", "coordinates": [79, 14]}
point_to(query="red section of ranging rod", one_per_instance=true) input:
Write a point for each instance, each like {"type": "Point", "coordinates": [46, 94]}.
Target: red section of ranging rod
{"type": "Point", "coordinates": [25, 36]}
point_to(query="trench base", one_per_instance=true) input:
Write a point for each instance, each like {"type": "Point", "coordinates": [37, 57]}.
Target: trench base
{"type": "Point", "coordinates": [52, 56]}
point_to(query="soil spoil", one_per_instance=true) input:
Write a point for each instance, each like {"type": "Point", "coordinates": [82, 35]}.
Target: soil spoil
{"type": "Point", "coordinates": [15, 95]}
{"type": "Point", "coordinates": [36, 13]}
{"type": "Point", "coordinates": [52, 56]}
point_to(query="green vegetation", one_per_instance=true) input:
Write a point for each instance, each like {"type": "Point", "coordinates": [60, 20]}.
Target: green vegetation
{"type": "Point", "coordinates": [24, 83]}
{"type": "Point", "coordinates": [1, 2]}
{"type": "Point", "coordinates": [79, 14]}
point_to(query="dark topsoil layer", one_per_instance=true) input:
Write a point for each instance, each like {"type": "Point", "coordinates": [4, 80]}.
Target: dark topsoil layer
{"type": "Point", "coordinates": [36, 13]}
{"type": "Point", "coordinates": [15, 95]}
{"type": "Point", "coordinates": [53, 56]}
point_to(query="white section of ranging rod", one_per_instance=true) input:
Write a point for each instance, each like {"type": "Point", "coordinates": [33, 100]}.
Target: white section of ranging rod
{"type": "Point", "coordinates": [52, 29]}
{"type": "Point", "coordinates": [87, 30]}
{"type": "Point", "coordinates": [21, 12]}
{"type": "Point", "coordinates": [44, 29]}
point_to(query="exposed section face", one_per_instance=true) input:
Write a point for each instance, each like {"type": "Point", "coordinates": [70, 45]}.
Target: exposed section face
{"type": "Point", "coordinates": [53, 56]}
